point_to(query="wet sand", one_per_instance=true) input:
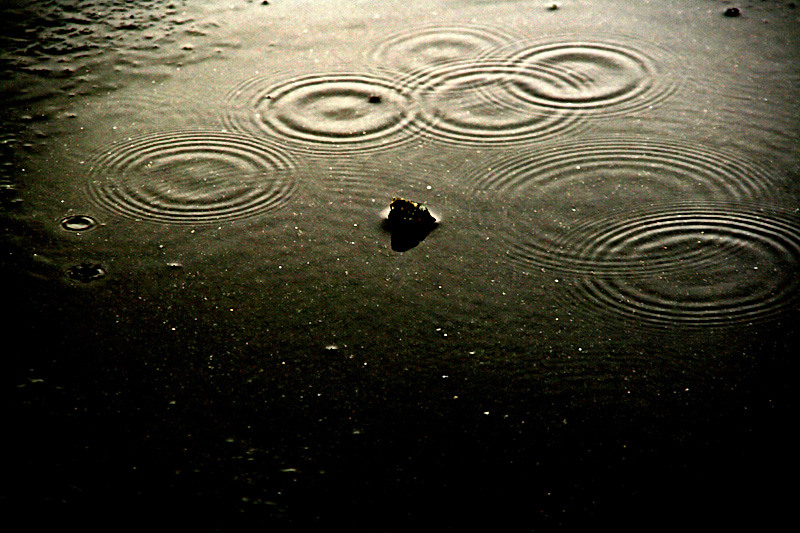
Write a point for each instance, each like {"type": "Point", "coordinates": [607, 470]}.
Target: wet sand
{"type": "Point", "coordinates": [213, 327]}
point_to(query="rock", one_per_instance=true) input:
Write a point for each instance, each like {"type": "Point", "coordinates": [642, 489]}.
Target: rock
{"type": "Point", "coordinates": [409, 223]}
{"type": "Point", "coordinates": [407, 214]}
{"type": "Point", "coordinates": [732, 12]}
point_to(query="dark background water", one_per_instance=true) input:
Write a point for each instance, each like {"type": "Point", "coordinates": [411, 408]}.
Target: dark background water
{"type": "Point", "coordinates": [209, 325]}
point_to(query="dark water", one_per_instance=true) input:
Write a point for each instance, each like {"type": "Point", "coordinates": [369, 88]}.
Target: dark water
{"type": "Point", "coordinates": [211, 326]}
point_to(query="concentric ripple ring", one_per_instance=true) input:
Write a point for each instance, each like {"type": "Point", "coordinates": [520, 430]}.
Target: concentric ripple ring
{"type": "Point", "coordinates": [467, 103]}
{"type": "Point", "coordinates": [699, 266]}
{"type": "Point", "coordinates": [434, 46]}
{"type": "Point", "coordinates": [603, 75]}
{"type": "Point", "coordinates": [323, 114]}
{"type": "Point", "coordinates": [628, 167]}
{"type": "Point", "coordinates": [191, 177]}
{"type": "Point", "coordinates": [562, 194]}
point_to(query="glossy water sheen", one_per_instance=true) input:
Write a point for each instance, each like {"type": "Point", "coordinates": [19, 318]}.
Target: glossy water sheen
{"type": "Point", "coordinates": [211, 326]}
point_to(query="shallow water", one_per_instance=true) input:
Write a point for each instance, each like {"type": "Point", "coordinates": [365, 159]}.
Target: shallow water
{"type": "Point", "coordinates": [213, 326]}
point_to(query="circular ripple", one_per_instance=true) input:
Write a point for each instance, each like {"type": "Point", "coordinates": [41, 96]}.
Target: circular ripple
{"type": "Point", "coordinates": [468, 103]}
{"type": "Point", "coordinates": [698, 266]}
{"type": "Point", "coordinates": [434, 46]}
{"type": "Point", "coordinates": [628, 169]}
{"type": "Point", "coordinates": [565, 193]}
{"type": "Point", "coordinates": [191, 177]}
{"type": "Point", "coordinates": [326, 113]}
{"type": "Point", "coordinates": [600, 75]}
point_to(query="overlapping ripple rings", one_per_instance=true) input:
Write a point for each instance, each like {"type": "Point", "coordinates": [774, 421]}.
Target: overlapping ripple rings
{"type": "Point", "coordinates": [468, 103]}
{"type": "Point", "coordinates": [325, 113]}
{"type": "Point", "coordinates": [191, 177]}
{"type": "Point", "coordinates": [730, 265]}
{"type": "Point", "coordinates": [601, 74]}
{"type": "Point", "coordinates": [627, 169]}
{"type": "Point", "coordinates": [564, 193]}
{"type": "Point", "coordinates": [434, 46]}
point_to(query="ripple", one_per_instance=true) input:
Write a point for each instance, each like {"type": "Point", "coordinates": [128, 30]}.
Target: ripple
{"type": "Point", "coordinates": [434, 46]}
{"type": "Point", "coordinates": [698, 266]}
{"type": "Point", "coordinates": [564, 194]}
{"type": "Point", "coordinates": [368, 185]}
{"type": "Point", "coordinates": [191, 177]}
{"type": "Point", "coordinates": [145, 106]}
{"type": "Point", "coordinates": [602, 75]}
{"type": "Point", "coordinates": [468, 103]}
{"type": "Point", "coordinates": [324, 114]}
{"type": "Point", "coordinates": [626, 169]}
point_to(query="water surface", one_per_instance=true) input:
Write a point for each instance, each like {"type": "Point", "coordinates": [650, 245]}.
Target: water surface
{"type": "Point", "coordinates": [212, 324]}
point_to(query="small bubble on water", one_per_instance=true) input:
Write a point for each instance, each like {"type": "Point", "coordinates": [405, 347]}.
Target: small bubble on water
{"type": "Point", "coordinates": [86, 272]}
{"type": "Point", "coordinates": [78, 223]}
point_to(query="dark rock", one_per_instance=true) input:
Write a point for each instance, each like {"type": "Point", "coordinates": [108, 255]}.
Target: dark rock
{"type": "Point", "coordinates": [375, 99]}
{"type": "Point", "coordinates": [407, 214]}
{"type": "Point", "coordinates": [732, 12]}
{"type": "Point", "coordinates": [409, 223]}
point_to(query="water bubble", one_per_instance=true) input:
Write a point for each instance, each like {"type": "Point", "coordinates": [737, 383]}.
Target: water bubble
{"type": "Point", "coordinates": [86, 272]}
{"type": "Point", "coordinates": [78, 223]}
